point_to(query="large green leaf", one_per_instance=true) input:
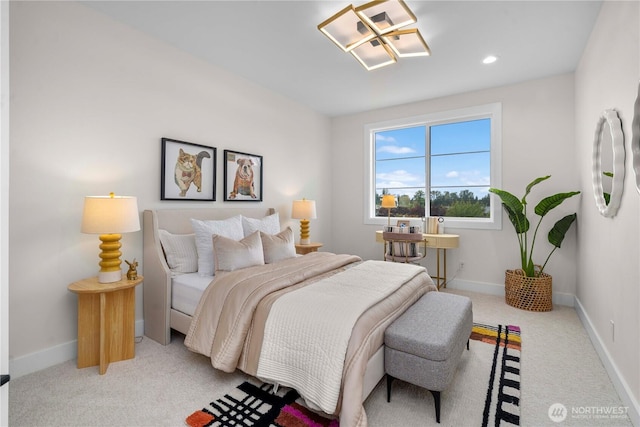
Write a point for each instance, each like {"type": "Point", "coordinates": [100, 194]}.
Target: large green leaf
{"type": "Point", "coordinates": [514, 208]}
{"type": "Point", "coordinates": [559, 230]}
{"type": "Point", "coordinates": [549, 203]}
{"type": "Point", "coordinates": [519, 221]}
{"type": "Point", "coordinates": [531, 185]}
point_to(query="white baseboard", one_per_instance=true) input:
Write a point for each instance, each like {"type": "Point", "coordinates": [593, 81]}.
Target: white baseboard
{"type": "Point", "coordinates": [621, 386]}
{"type": "Point", "coordinates": [51, 356]}
{"type": "Point", "coordinates": [498, 289]}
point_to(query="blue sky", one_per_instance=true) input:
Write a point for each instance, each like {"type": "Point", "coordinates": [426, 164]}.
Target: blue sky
{"type": "Point", "coordinates": [460, 157]}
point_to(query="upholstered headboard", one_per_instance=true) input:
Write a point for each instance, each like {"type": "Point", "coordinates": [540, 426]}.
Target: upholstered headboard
{"type": "Point", "coordinates": [157, 276]}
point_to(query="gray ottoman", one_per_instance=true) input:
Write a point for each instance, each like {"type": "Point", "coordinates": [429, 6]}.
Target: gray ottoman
{"type": "Point", "coordinates": [423, 345]}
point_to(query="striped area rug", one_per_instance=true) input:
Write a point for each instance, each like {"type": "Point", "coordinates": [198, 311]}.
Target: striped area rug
{"type": "Point", "coordinates": [251, 405]}
{"type": "Point", "coordinates": [502, 404]}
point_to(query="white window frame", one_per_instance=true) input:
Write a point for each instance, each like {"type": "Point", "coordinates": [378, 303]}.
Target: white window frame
{"type": "Point", "coordinates": [492, 111]}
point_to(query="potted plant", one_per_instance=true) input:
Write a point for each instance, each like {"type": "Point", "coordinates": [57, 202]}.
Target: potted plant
{"type": "Point", "coordinates": [529, 287]}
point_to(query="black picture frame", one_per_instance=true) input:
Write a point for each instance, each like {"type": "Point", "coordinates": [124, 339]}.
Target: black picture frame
{"type": "Point", "coordinates": [242, 177]}
{"type": "Point", "coordinates": [202, 158]}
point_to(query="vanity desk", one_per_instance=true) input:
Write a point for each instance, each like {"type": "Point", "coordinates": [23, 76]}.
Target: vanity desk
{"type": "Point", "coordinates": [439, 242]}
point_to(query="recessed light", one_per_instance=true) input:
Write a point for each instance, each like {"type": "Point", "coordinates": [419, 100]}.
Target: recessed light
{"type": "Point", "coordinates": [490, 59]}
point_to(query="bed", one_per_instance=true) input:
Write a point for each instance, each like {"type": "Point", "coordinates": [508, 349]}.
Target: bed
{"type": "Point", "coordinates": [235, 319]}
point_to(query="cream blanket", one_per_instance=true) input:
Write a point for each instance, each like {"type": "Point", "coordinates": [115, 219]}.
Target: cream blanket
{"type": "Point", "coordinates": [308, 331]}
{"type": "Point", "coordinates": [224, 315]}
{"type": "Point", "coordinates": [229, 321]}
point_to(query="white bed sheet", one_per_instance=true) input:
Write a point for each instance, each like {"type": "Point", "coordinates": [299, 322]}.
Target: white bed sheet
{"type": "Point", "coordinates": [186, 291]}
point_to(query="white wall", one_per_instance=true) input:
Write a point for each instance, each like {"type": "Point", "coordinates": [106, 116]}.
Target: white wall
{"type": "Point", "coordinates": [608, 268]}
{"type": "Point", "coordinates": [91, 99]}
{"type": "Point", "coordinates": [537, 140]}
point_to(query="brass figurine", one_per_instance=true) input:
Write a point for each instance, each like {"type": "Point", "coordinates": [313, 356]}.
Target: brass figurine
{"type": "Point", "coordinates": [132, 274]}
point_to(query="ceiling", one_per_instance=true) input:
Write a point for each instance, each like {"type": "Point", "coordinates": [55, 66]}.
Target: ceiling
{"type": "Point", "coordinates": [276, 44]}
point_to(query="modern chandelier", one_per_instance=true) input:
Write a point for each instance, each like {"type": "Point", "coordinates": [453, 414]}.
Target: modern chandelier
{"type": "Point", "coordinates": [372, 33]}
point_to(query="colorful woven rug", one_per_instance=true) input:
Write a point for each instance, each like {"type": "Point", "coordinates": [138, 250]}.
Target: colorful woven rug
{"type": "Point", "coordinates": [258, 406]}
{"type": "Point", "coordinates": [502, 404]}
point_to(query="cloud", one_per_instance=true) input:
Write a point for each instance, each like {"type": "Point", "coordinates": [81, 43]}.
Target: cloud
{"type": "Point", "coordinates": [398, 178]}
{"type": "Point", "coordinates": [395, 149]}
{"type": "Point", "coordinates": [471, 177]}
{"type": "Point", "coordinates": [380, 137]}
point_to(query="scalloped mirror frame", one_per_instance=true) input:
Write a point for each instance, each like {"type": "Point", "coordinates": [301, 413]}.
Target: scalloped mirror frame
{"type": "Point", "coordinates": [608, 122]}
{"type": "Point", "coordinates": [635, 139]}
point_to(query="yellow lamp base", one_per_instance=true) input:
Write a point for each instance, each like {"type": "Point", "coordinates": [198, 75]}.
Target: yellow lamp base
{"type": "Point", "coordinates": [110, 270]}
{"type": "Point", "coordinates": [304, 232]}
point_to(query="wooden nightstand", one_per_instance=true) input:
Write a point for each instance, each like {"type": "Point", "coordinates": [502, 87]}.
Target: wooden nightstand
{"type": "Point", "coordinates": [305, 249]}
{"type": "Point", "coordinates": [106, 321]}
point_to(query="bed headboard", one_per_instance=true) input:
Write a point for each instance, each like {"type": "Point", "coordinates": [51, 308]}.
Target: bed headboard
{"type": "Point", "coordinates": [157, 276]}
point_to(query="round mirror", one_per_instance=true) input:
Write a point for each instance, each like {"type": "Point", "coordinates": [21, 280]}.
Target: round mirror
{"type": "Point", "coordinates": [635, 139]}
{"type": "Point", "coordinates": [608, 163]}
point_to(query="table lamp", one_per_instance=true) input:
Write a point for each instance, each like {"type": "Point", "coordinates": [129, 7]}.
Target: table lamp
{"type": "Point", "coordinates": [304, 210]}
{"type": "Point", "coordinates": [109, 216]}
{"type": "Point", "coordinates": [389, 202]}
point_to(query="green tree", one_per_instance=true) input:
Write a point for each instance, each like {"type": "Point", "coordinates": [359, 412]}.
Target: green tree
{"type": "Point", "coordinates": [467, 196]}
{"type": "Point", "coordinates": [418, 198]}
{"type": "Point", "coordinates": [465, 209]}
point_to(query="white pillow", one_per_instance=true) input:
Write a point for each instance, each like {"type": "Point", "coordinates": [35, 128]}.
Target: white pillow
{"type": "Point", "coordinates": [279, 246]}
{"type": "Point", "coordinates": [180, 251]}
{"type": "Point", "coordinates": [232, 255]}
{"type": "Point", "coordinates": [230, 227]}
{"type": "Point", "coordinates": [270, 224]}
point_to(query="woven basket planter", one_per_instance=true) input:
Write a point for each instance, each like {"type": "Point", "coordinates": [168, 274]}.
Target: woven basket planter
{"type": "Point", "coordinates": [528, 293]}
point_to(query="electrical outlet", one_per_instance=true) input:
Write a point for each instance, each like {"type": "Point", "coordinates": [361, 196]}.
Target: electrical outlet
{"type": "Point", "coordinates": [613, 330]}
{"type": "Point", "coordinates": [461, 265]}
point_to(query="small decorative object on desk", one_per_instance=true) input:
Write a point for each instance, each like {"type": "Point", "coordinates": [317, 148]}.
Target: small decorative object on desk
{"type": "Point", "coordinates": [132, 274]}
{"type": "Point", "coordinates": [432, 225]}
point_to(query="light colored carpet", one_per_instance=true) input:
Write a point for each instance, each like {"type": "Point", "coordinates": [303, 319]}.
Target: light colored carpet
{"type": "Point", "coordinates": [165, 384]}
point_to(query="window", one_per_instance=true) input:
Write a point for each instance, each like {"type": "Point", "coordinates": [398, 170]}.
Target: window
{"type": "Point", "coordinates": [440, 164]}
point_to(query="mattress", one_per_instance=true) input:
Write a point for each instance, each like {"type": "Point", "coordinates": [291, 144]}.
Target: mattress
{"type": "Point", "coordinates": [187, 290]}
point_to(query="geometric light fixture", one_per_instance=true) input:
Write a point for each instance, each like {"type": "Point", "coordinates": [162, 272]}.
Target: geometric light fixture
{"type": "Point", "coordinates": [372, 33]}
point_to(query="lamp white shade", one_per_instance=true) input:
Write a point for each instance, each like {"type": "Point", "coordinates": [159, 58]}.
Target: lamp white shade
{"type": "Point", "coordinates": [110, 214]}
{"type": "Point", "coordinates": [303, 209]}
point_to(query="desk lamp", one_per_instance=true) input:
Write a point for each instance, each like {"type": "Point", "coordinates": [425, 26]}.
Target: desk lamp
{"type": "Point", "coordinates": [389, 202]}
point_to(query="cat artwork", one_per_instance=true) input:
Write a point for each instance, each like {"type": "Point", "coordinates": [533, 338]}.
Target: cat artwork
{"type": "Point", "coordinates": [188, 170]}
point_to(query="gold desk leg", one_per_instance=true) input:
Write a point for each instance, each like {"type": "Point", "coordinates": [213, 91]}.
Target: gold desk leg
{"type": "Point", "coordinates": [444, 284]}
{"type": "Point", "coordinates": [441, 281]}
{"type": "Point", "coordinates": [438, 267]}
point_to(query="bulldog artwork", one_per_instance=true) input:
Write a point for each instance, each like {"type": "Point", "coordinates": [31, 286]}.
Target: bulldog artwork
{"type": "Point", "coordinates": [243, 183]}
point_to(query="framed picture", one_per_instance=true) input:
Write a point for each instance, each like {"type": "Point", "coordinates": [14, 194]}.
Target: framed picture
{"type": "Point", "coordinates": [242, 177]}
{"type": "Point", "coordinates": [188, 171]}
{"type": "Point", "coordinates": [403, 223]}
